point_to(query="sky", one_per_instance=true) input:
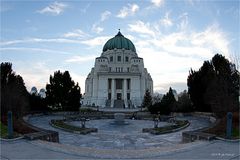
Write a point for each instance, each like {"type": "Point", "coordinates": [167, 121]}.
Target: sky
{"type": "Point", "coordinates": [40, 37]}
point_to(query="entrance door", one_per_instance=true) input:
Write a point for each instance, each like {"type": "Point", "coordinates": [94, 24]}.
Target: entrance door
{"type": "Point", "coordinates": [119, 96]}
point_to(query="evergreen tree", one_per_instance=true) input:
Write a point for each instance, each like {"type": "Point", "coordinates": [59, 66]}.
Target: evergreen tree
{"type": "Point", "coordinates": [223, 90]}
{"type": "Point", "coordinates": [147, 100]}
{"type": "Point", "coordinates": [14, 95]}
{"type": "Point", "coordinates": [215, 86]}
{"type": "Point", "coordinates": [184, 103]}
{"type": "Point", "coordinates": [197, 84]}
{"type": "Point", "coordinates": [168, 102]}
{"type": "Point", "coordinates": [62, 93]}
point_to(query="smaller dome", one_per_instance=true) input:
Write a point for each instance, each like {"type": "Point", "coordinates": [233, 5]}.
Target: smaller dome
{"type": "Point", "coordinates": [42, 93]}
{"type": "Point", "coordinates": [34, 90]}
{"type": "Point", "coordinates": [119, 42]}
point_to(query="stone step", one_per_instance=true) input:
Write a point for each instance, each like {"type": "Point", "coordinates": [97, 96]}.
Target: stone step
{"type": "Point", "coordinates": [51, 136]}
{"type": "Point", "coordinates": [191, 136]}
{"type": "Point", "coordinates": [118, 104]}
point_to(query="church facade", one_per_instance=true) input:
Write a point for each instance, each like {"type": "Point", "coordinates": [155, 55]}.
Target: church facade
{"type": "Point", "coordinates": [118, 78]}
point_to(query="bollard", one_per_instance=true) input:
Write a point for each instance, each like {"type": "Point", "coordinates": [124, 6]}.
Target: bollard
{"type": "Point", "coordinates": [83, 121]}
{"type": "Point", "coordinates": [229, 125]}
{"type": "Point", "coordinates": [10, 125]}
{"type": "Point", "coordinates": [155, 122]}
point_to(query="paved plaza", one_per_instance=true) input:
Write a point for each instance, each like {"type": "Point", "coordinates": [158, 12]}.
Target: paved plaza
{"type": "Point", "coordinates": [118, 137]}
{"type": "Point", "coordinates": [118, 142]}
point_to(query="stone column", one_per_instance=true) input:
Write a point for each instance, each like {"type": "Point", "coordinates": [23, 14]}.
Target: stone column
{"type": "Point", "coordinates": [125, 92]}
{"type": "Point", "coordinates": [112, 92]}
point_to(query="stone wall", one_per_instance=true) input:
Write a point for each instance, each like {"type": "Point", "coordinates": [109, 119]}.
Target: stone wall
{"type": "Point", "coordinates": [190, 136]}
{"type": "Point", "coordinates": [42, 134]}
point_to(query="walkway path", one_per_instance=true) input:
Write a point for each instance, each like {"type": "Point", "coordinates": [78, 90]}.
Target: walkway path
{"type": "Point", "coordinates": [23, 149]}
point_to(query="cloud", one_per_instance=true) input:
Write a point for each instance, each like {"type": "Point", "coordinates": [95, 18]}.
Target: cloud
{"type": "Point", "coordinates": [184, 21]}
{"type": "Point", "coordinates": [81, 59]}
{"type": "Point", "coordinates": [79, 79]}
{"type": "Point", "coordinates": [192, 2]}
{"type": "Point", "coordinates": [36, 75]}
{"type": "Point", "coordinates": [201, 44]}
{"type": "Point", "coordinates": [169, 56]}
{"type": "Point", "coordinates": [166, 21]}
{"type": "Point", "coordinates": [157, 3]}
{"type": "Point", "coordinates": [164, 87]}
{"type": "Point", "coordinates": [97, 29]}
{"type": "Point", "coordinates": [141, 27]}
{"type": "Point", "coordinates": [84, 10]}
{"type": "Point", "coordinates": [105, 15]}
{"type": "Point", "coordinates": [96, 41]}
{"type": "Point", "coordinates": [166, 69]}
{"type": "Point", "coordinates": [76, 34]}
{"type": "Point", "coordinates": [55, 8]}
{"type": "Point", "coordinates": [39, 40]}
{"type": "Point", "coordinates": [89, 42]}
{"type": "Point", "coordinates": [33, 50]}
{"type": "Point", "coordinates": [213, 38]}
{"type": "Point", "coordinates": [131, 9]}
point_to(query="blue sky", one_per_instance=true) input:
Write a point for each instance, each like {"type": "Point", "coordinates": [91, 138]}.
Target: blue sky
{"type": "Point", "coordinates": [40, 37]}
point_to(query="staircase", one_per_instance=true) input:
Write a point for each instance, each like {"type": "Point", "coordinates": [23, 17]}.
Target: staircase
{"type": "Point", "coordinates": [108, 103]}
{"type": "Point", "coordinates": [130, 105]}
{"type": "Point", "coordinates": [118, 104]}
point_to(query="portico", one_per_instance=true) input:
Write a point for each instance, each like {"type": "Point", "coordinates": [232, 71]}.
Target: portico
{"type": "Point", "coordinates": [119, 89]}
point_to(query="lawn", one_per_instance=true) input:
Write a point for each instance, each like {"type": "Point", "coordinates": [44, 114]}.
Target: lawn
{"type": "Point", "coordinates": [3, 132]}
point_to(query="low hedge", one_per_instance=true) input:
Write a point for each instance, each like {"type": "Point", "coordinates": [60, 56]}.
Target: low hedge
{"type": "Point", "coordinates": [70, 128]}
{"type": "Point", "coordinates": [178, 125]}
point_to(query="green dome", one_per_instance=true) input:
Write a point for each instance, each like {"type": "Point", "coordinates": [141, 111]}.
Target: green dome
{"type": "Point", "coordinates": [119, 42]}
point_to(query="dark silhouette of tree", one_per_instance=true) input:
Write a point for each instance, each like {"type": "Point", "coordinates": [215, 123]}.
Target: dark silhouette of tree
{"type": "Point", "coordinates": [62, 93]}
{"type": "Point", "coordinates": [14, 96]}
{"type": "Point", "coordinates": [197, 84]}
{"type": "Point", "coordinates": [223, 90]}
{"type": "Point", "coordinates": [157, 98]}
{"type": "Point", "coordinates": [184, 103]}
{"type": "Point", "coordinates": [215, 87]}
{"type": "Point", "coordinates": [167, 104]}
{"type": "Point", "coordinates": [38, 104]}
{"type": "Point", "coordinates": [147, 100]}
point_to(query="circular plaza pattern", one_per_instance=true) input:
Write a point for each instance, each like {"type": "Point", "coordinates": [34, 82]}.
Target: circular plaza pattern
{"type": "Point", "coordinates": [122, 137]}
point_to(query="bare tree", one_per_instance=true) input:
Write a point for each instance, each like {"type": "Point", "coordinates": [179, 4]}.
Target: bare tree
{"type": "Point", "coordinates": [235, 59]}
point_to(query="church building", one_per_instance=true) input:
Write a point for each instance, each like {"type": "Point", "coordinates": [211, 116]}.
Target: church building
{"type": "Point", "coordinates": [118, 78]}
